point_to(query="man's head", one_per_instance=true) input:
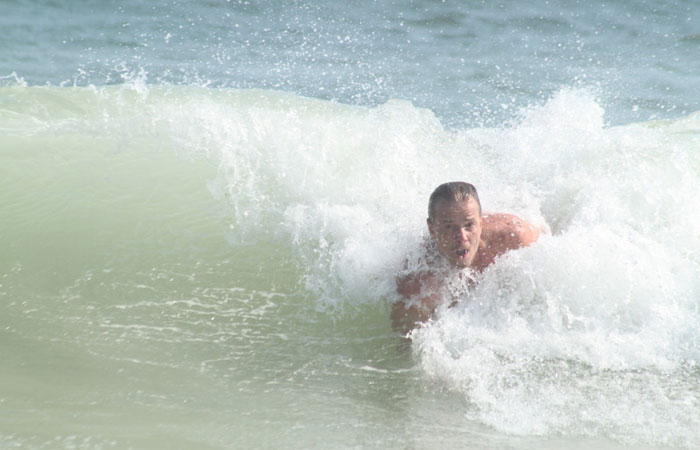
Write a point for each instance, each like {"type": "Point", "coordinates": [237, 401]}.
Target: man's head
{"type": "Point", "coordinates": [454, 221]}
{"type": "Point", "coordinates": [455, 191]}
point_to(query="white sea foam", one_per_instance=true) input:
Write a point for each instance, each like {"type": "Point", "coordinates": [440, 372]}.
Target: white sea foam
{"type": "Point", "coordinates": [598, 323]}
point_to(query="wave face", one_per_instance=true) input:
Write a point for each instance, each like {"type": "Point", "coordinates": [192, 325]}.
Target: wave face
{"type": "Point", "coordinates": [241, 247]}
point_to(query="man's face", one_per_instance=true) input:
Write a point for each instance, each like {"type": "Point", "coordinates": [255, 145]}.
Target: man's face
{"type": "Point", "coordinates": [456, 229]}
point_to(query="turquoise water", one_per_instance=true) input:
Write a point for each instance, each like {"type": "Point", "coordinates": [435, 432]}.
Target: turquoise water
{"type": "Point", "coordinates": [203, 206]}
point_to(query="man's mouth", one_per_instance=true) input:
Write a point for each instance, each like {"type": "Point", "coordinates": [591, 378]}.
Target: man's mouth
{"type": "Point", "coordinates": [461, 253]}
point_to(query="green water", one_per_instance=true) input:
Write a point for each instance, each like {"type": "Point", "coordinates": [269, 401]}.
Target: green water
{"type": "Point", "coordinates": [128, 321]}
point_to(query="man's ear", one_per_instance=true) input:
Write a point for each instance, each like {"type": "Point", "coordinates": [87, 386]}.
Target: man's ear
{"type": "Point", "coordinates": [431, 228]}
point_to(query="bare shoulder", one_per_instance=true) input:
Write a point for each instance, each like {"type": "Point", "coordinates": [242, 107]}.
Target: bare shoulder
{"type": "Point", "coordinates": [509, 230]}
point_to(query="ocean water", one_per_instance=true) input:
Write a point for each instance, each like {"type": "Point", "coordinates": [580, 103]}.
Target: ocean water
{"type": "Point", "coordinates": [204, 205]}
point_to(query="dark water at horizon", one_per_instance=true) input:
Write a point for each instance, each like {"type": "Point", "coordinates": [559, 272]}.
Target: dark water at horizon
{"type": "Point", "coordinates": [470, 62]}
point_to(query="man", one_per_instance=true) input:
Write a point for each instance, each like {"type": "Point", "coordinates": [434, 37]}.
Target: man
{"type": "Point", "coordinates": [461, 238]}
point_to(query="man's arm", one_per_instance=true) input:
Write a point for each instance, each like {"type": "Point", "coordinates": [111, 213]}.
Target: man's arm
{"type": "Point", "coordinates": [419, 301]}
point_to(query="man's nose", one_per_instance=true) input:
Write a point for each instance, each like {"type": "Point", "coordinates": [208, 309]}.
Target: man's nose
{"type": "Point", "coordinates": [462, 234]}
